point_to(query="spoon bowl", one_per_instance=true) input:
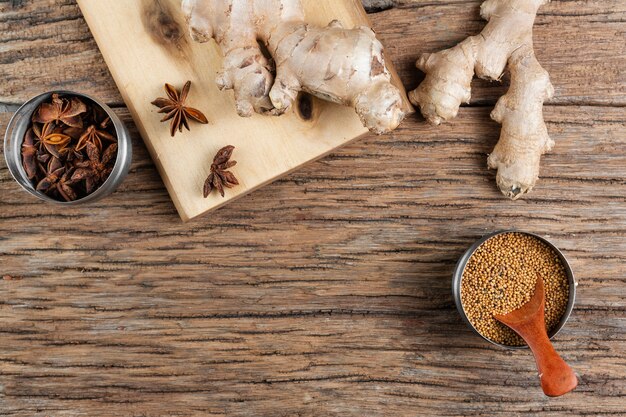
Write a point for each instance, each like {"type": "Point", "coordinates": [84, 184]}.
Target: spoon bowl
{"type": "Point", "coordinates": [528, 321]}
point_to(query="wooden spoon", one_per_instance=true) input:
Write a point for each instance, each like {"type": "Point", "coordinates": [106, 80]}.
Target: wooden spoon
{"type": "Point", "coordinates": [557, 378]}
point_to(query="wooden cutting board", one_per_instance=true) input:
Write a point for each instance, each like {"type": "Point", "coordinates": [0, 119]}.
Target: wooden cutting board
{"type": "Point", "coordinates": [145, 43]}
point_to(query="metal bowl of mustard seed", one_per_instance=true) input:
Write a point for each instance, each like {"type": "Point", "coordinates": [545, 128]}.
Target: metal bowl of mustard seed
{"type": "Point", "coordinates": [67, 148]}
{"type": "Point", "coordinates": [497, 275]}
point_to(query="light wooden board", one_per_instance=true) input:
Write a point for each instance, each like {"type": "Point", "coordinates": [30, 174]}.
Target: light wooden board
{"type": "Point", "coordinates": [146, 43]}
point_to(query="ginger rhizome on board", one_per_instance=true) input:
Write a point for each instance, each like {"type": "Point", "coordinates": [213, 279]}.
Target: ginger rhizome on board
{"type": "Point", "coordinates": [341, 65]}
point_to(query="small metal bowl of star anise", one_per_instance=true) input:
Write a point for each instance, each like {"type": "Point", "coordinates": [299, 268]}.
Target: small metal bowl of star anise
{"type": "Point", "coordinates": [67, 148]}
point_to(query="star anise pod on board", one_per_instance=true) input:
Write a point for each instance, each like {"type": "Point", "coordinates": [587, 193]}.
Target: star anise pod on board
{"type": "Point", "coordinates": [61, 110]}
{"type": "Point", "coordinates": [175, 109]}
{"type": "Point", "coordinates": [219, 177]}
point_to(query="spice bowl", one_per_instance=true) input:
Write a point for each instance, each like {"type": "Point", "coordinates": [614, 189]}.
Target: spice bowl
{"type": "Point", "coordinates": [457, 282]}
{"type": "Point", "coordinates": [20, 124]}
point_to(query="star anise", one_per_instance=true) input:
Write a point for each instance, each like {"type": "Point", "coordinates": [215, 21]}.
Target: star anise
{"type": "Point", "coordinates": [52, 138]}
{"type": "Point", "coordinates": [71, 153]}
{"type": "Point", "coordinates": [62, 158]}
{"type": "Point", "coordinates": [65, 187]}
{"type": "Point", "coordinates": [175, 109]}
{"type": "Point", "coordinates": [97, 117]}
{"type": "Point", "coordinates": [53, 173]}
{"type": "Point", "coordinates": [57, 178]}
{"type": "Point", "coordinates": [219, 177]}
{"type": "Point", "coordinates": [29, 154]}
{"type": "Point", "coordinates": [61, 110]}
{"type": "Point", "coordinates": [97, 168]}
{"type": "Point", "coordinates": [95, 136]}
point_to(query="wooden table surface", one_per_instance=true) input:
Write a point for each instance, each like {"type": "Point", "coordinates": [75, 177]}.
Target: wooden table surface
{"type": "Point", "coordinates": [327, 292]}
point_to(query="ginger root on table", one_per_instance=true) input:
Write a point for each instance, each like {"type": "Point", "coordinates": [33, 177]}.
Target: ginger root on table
{"type": "Point", "coordinates": [344, 66]}
{"type": "Point", "coordinates": [505, 42]}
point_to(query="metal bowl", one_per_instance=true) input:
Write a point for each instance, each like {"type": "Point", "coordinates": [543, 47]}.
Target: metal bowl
{"type": "Point", "coordinates": [19, 124]}
{"type": "Point", "coordinates": [458, 276]}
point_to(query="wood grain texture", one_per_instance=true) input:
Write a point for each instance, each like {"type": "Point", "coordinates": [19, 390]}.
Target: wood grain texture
{"type": "Point", "coordinates": [578, 42]}
{"type": "Point", "coordinates": [327, 292]}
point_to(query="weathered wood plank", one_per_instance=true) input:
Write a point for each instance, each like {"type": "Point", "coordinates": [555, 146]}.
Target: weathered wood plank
{"type": "Point", "coordinates": [324, 293]}
{"type": "Point", "coordinates": [328, 292]}
{"type": "Point", "coordinates": [574, 42]}
{"type": "Point", "coordinates": [46, 44]}
{"type": "Point", "coordinates": [251, 366]}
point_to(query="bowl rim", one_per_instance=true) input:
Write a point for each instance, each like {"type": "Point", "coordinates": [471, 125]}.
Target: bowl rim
{"type": "Point", "coordinates": [457, 278]}
{"type": "Point", "coordinates": [122, 160]}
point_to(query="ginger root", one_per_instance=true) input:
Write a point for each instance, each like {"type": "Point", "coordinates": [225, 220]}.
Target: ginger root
{"type": "Point", "coordinates": [344, 66]}
{"type": "Point", "coordinates": [506, 41]}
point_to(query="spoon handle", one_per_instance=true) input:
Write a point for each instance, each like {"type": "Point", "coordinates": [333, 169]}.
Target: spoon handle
{"type": "Point", "coordinates": [557, 378]}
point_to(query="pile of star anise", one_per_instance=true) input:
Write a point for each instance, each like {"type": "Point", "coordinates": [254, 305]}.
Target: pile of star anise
{"type": "Point", "coordinates": [70, 148]}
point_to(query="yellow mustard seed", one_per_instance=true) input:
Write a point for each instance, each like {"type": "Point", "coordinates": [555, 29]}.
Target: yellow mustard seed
{"type": "Point", "coordinates": [500, 277]}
